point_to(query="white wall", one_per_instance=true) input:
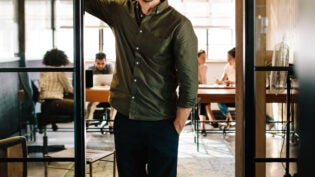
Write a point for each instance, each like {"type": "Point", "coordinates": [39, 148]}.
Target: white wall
{"type": "Point", "coordinates": [214, 72]}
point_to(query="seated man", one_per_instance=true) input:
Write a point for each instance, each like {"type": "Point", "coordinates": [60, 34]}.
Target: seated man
{"type": "Point", "coordinates": [100, 67]}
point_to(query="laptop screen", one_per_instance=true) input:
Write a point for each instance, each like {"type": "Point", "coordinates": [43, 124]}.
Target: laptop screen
{"type": "Point", "coordinates": [102, 79]}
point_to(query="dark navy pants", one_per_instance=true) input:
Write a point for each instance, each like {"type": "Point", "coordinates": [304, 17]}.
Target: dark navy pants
{"type": "Point", "coordinates": [145, 148]}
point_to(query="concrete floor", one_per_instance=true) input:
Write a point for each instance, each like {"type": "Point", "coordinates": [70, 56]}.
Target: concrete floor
{"type": "Point", "coordinates": [215, 157]}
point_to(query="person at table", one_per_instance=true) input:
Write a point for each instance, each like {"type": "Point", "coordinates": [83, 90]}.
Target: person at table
{"type": "Point", "coordinates": [204, 110]}
{"type": "Point", "coordinates": [228, 79]}
{"type": "Point", "coordinates": [100, 67]}
{"type": "Point", "coordinates": [56, 92]}
{"type": "Point", "coordinates": [156, 50]}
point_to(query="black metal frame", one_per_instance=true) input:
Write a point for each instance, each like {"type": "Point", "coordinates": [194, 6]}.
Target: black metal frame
{"type": "Point", "coordinates": [287, 159]}
{"type": "Point", "coordinates": [249, 96]}
{"type": "Point", "coordinates": [249, 88]}
{"type": "Point", "coordinates": [79, 95]}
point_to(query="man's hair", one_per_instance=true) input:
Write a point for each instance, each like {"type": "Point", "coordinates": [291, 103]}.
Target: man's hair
{"type": "Point", "coordinates": [55, 57]}
{"type": "Point", "coordinates": [232, 52]}
{"type": "Point", "coordinates": [100, 55]}
{"type": "Point", "coordinates": [200, 52]}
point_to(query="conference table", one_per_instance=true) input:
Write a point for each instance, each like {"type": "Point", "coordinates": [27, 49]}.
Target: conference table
{"type": "Point", "coordinates": [226, 94]}
{"type": "Point", "coordinates": [206, 94]}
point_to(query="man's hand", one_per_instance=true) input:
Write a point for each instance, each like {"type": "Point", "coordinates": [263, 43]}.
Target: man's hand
{"type": "Point", "coordinates": [181, 117]}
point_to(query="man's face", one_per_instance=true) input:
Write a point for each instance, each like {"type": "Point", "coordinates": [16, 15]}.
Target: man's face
{"type": "Point", "coordinates": [100, 64]}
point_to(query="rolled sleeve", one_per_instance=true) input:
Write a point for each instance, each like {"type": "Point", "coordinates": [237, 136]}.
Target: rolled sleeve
{"type": "Point", "coordinates": [186, 65]}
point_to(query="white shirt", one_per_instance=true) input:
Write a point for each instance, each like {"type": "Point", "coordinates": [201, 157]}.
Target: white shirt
{"type": "Point", "coordinates": [230, 72]}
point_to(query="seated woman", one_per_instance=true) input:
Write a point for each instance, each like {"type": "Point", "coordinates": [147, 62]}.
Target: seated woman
{"type": "Point", "coordinates": [202, 79]}
{"type": "Point", "coordinates": [228, 79]}
{"type": "Point", "coordinates": [55, 86]}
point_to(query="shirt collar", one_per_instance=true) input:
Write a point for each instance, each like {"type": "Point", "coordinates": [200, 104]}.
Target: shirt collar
{"type": "Point", "coordinates": [162, 6]}
{"type": "Point", "coordinates": [159, 8]}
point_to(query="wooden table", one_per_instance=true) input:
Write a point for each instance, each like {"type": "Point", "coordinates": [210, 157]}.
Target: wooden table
{"type": "Point", "coordinates": [97, 94]}
{"type": "Point", "coordinates": [91, 156]}
{"type": "Point", "coordinates": [206, 94]}
{"type": "Point", "coordinates": [227, 95]}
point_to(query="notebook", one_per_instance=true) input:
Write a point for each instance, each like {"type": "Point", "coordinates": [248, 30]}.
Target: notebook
{"type": "Point", "coordinates": [102, 79]}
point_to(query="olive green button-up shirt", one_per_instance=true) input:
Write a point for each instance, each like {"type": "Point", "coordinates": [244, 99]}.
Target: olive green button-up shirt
{"type": "Point", "coordinates": [155, 54]}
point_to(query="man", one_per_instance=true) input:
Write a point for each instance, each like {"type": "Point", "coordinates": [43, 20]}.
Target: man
{"type": "Point", "coordinates": [100, 67]}
{"type": "Point", "coordinates": [156, 51]}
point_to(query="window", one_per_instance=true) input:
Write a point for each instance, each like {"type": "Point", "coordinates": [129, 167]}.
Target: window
{"type": "Point", "coordinates": [213, 21]}
{"type": "Point", "coordinates": [214, 24]}
{"type": "Point", "coordinates": [216, 41]}
{"type": "Point", "coordinates": [37, 28]}
{"type": "Point", "coordinates": [8, 31]}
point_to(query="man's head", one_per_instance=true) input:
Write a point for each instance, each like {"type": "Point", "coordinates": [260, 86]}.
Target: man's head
{"type": "Point", "coordinates": [100, 61]}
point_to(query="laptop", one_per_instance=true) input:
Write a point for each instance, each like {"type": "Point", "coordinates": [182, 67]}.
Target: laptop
{"type": "Point", "coordinates": [102, 79]}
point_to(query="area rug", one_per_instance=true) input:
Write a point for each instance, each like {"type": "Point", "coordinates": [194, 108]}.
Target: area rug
{"type": "Point", "coordinates": [215, 157]}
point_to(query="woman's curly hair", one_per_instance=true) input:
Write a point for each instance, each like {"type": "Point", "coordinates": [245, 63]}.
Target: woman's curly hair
{"type": "Point", "coordinates": [55, 57]}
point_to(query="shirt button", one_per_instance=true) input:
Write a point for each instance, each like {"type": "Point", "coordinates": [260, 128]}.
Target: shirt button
{"type": "Point", "coordinates": [140, 31]}
{"type": "Point", "coordinates": [133, 97]}
{"type": "Point", "coordinates": [137, 48]}
{"type": "Point", "coordinates": [137, 62]}
{"type": "Point", "coordinates": [135, 80]}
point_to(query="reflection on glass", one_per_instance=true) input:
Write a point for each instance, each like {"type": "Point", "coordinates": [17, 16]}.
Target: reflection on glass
{"type": "Point", "coordinates": [280, 57]}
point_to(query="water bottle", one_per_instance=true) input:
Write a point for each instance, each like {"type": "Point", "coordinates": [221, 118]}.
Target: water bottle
{"type": "Point", "coordinates": [280, 57]}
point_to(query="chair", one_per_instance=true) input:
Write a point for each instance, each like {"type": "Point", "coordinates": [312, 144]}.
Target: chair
{"type": "Point", "coordinates": [92, 156]}
{"type": "Point", "coordinates": [102, 118]}
{"type": "Point", "coordinates": [43, 119]}
{"type": "Point", "coordinates": [14, 147]}
{"type": "Point", "coordinates": [101, 113]}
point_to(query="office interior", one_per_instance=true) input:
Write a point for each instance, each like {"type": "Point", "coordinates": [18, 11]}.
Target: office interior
{"type": "Point", "coordinates": [29, 28]}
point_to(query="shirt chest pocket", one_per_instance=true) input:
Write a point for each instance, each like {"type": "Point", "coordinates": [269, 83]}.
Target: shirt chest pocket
{"type": "Point", "coordinates": [156, 44]}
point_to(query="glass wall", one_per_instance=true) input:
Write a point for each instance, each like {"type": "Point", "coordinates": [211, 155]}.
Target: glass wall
{"type": "Point", "coordinates": [275, 38]}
